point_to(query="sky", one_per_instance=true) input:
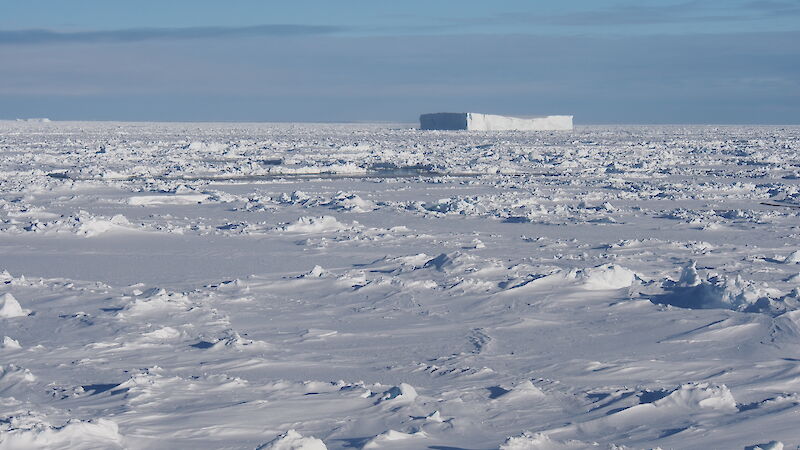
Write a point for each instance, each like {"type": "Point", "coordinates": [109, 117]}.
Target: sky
{"type": "Point", "coordinates": [604, 61]}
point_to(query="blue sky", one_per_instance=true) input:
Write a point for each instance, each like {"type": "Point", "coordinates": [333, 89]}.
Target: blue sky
{"type": "Point", "coordinates": [657, 61]}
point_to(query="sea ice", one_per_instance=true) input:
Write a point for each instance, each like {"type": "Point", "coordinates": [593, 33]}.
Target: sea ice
{"type": "Point", "coordinates": [372, 285]}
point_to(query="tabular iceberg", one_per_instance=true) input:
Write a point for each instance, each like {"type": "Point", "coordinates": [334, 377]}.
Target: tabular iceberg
{"type": "Point", "coordinates": [490, 122]}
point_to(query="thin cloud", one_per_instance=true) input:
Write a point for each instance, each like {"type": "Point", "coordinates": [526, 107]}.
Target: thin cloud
{"type": "Point", "coordinates": [630, 14]}
{"type": "Point", "coordinates": [639, 14]}
{"type": "Point", "coordinates": [151, 34]}
{"type": "Point", "coordinates": [775, 7]}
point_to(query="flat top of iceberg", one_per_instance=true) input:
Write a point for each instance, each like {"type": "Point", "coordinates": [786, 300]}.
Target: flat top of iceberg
{"type": "Point", "coordinates": [493, 122]}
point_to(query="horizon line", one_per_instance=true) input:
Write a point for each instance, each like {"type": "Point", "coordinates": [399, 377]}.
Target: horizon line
{"type": "Point", "coordinates": [45, 120]}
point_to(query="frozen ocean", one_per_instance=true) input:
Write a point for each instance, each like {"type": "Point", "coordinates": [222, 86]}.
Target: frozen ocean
{"type": "Point", "coordinates": [312, 286]}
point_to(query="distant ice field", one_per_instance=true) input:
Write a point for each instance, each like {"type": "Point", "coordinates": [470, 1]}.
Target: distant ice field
{"type": "Point", "coordinates": [307, 286]}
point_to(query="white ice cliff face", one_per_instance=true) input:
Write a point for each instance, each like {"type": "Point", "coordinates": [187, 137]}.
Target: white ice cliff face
{"type": "Point", "coordinates": [491, 122]}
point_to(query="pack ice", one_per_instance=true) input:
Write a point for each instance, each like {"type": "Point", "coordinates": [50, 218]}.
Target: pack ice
{"type": "Point", "coordinates": [292, 286]}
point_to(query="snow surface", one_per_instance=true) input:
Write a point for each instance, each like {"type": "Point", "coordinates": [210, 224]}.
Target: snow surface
{"type": "Point", "coordinates": [285, 286]}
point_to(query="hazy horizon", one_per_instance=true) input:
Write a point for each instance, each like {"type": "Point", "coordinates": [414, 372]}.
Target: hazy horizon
{"type": "Point", "coordinates": [376, 122]}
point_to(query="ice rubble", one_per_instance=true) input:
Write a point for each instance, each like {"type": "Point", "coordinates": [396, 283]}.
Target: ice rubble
{"type": "Point", "coordinates": [493, 283]}
{"type": "Point", "coordinates": [693, 396]}
{"type": "Point", "coordinates": [540, 441]}
{"type": "Point", "coordinates": [716, 291]}
{"type": "Point", "coordinates": [99, 434]}
{"type": "Point", "coordinates": [81, 223]}
{"type": "Point", "coordinates": [771, 445]}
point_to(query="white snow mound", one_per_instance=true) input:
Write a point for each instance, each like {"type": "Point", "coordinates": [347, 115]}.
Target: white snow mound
{"type": "Point", "coordinates": [10, 343]}
{"type": "Point", "coordinates": [320, 224]}
{"type": "Point", "coordinates": [100, 434]}
{"type": "Point", "coordinates": [13, 374]}
{"type": "Point", "coordinates": [93, 226]}
{"type": "Point", "coordinates": [353, 203]}
{"type": "Point", "coordinates": [608, 276]}
{"type": "Point", "coordinates": [404, 393]}
{"type": "Point", "coordinates": [699, 396]}
{"type": "Point", "coordinates": [292, 440]}
{"type": "Point", "coordinates": [605, 277]}
{"type": "Point", "coordinates": [155, 200]}
{"type": "Point", "coordinates": [771, 445]}
{"type": "Point", "coordinates": [392, 435]}
{"type": "Point", "coordinates": [539, 441]}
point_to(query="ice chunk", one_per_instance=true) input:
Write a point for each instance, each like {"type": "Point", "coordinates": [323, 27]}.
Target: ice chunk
{"type": "Point", "coordinates": [771, 445]}
{"type": "Point", "coordinates": [699, 396]}
{"type": "Point", "coordinates": [155, 200]}
{"type": "Point", "coordinates": [90, 226]}
{"type": "Point", "coordinates": [539, 441]}
{"type": "Point", "coordinates": [404, 393]}
{"type": "Point", "coordinates": [792, 258]}
{"type": "Point", "coordinates": [608, 276]}
{"type": "Point", "coordinates": [352, 202]}
{"type": "Point", "coordinates": [10, 307]}
{"type": "Point", "coordinates": [321, 224]}
{"type": "Point", "coordinates": [292, 440]}
{"type": "Point", "coordinates": [392, 435]}
{"type": "Point", "coordinates": [604, 277]}
{"type": "Point", "coordinates": [695, 292]}
{"type": "Point", "coordinates": [689, 277]}
{"type": "Point", "coordinates": [434, 417]}
{"type": "Point", "coordinates": [316, 272]}
{"type": "Point", "coordinates": [10, 343]}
